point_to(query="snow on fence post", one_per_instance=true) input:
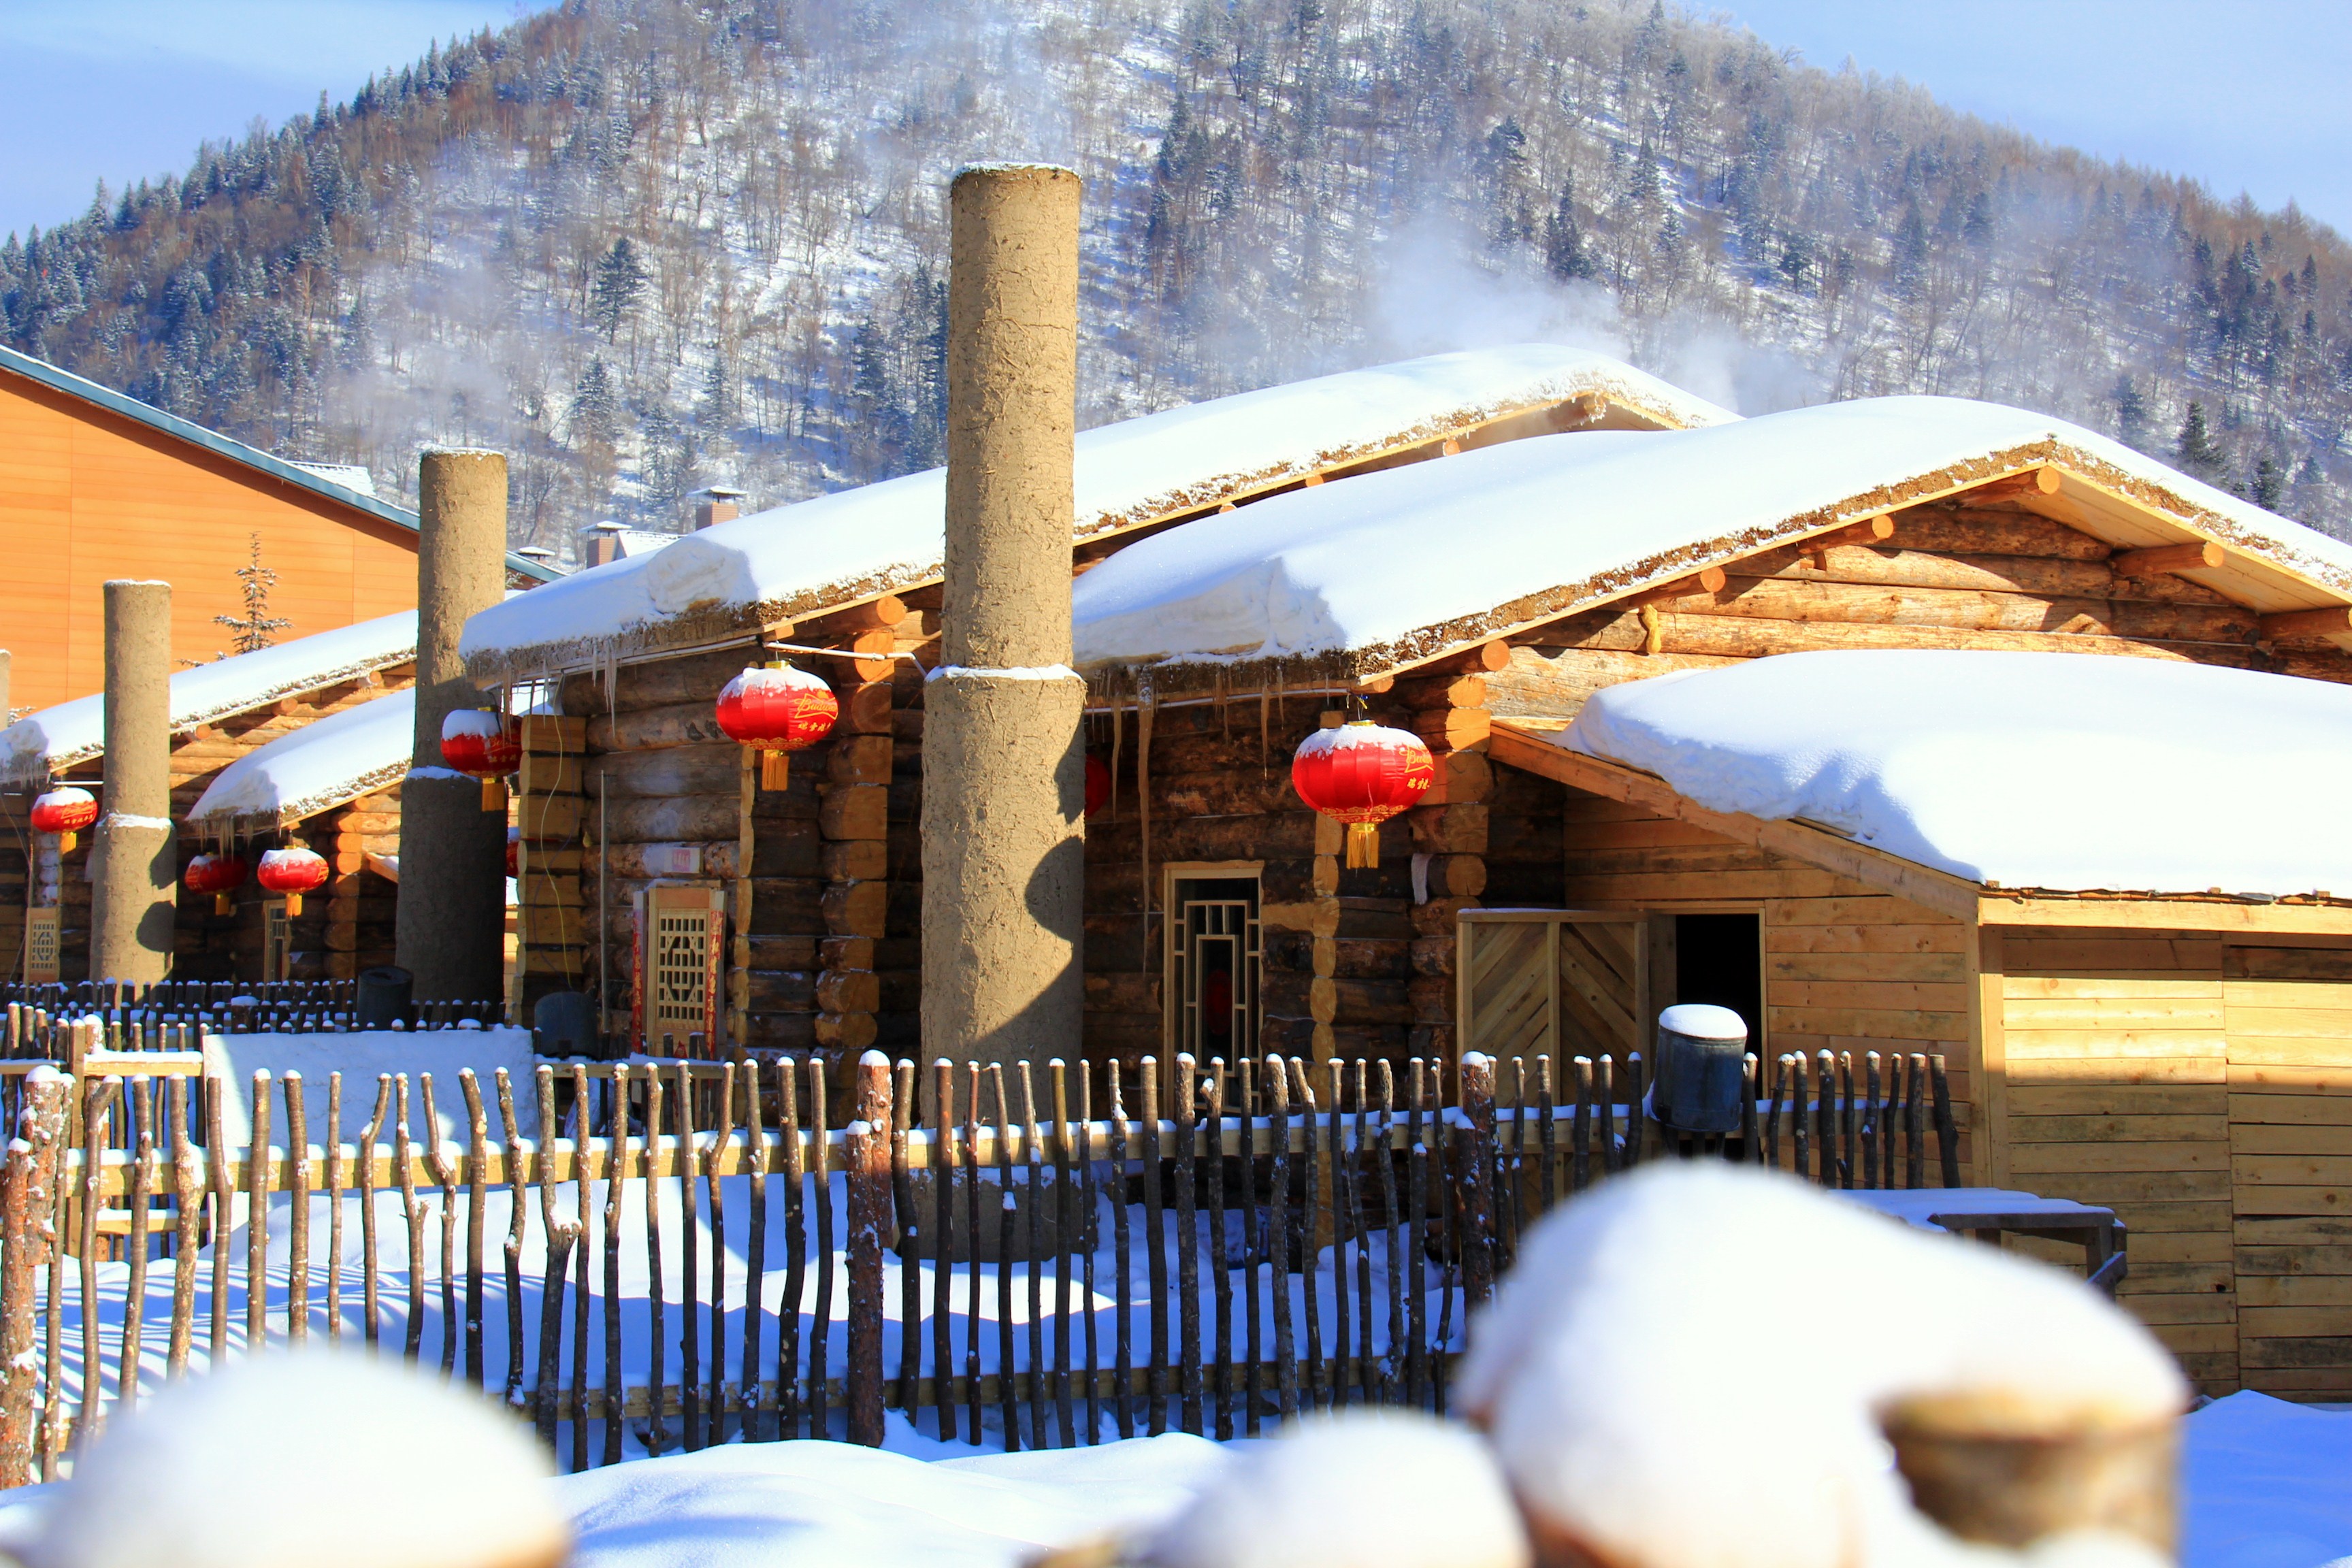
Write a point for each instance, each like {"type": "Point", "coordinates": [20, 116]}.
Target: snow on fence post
{"type": "Point", "coordinates": [1477, 1189]}
{"type": "Point", "coordinates": [29, 1211]}
{"type": "Point", "coordinates": [869, 1221]}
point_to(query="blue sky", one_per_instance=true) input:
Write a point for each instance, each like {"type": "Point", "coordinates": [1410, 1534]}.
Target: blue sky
{"type": "Point", "coordinates": [2246, 95]}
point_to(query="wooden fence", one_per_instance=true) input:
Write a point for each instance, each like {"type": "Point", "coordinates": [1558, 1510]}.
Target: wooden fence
{"type": "Point", "coordinates": [656, 1254]}
{"type": "Point", "coordinates": [292, 1007]}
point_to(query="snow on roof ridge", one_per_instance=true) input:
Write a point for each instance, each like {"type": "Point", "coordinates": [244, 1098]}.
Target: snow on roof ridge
{"type": "Point", "coordinates": [320, 766]}
{"type": "Point", "coordinates": [2024, 770]}
{"type": "Point", "coordinates": [73, 731]}
{"type": "Point", "coordinates": [723, 581]}
{"type": "Point", "coordinates": [1398, 566]}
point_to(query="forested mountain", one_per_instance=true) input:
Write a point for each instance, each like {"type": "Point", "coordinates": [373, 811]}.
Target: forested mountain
{"type": "Point", "coordinates": [651, 244]}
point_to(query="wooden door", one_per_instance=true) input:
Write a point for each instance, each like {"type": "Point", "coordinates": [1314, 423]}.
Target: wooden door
{"type": "Point", "coordinates": [1557, 983]}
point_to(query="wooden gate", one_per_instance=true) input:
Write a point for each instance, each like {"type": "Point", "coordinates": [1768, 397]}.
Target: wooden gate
{"type": "Point", "coordinates": [1556, 982]}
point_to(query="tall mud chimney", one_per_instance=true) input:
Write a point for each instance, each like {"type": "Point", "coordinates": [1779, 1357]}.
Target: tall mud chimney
{"type": "Point", "coordinates": [1004, 774]}
{"type": "Point", "coordinates": [452, 911]}
{"type": "Point", "coordinates": [133, 867]}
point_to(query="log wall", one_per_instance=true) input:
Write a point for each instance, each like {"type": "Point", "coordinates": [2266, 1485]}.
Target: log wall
{"type": "Point", "coordinates": [1846, 968]}
{"type": "Point", "coordinates": [1948, 577]}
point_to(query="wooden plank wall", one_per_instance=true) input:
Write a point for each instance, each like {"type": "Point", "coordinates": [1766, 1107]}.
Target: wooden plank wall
{"type": "Point", "coordinates": [1845, 968]}
{"type": "Point", "coordinates": [84, 492]}
{"type": "Point", "coordinates": [2288, 1004]}
{"type": "Point", "coordinates": [2115, 1092]}
{"type": "Point", "coordinates": [1950, 576]}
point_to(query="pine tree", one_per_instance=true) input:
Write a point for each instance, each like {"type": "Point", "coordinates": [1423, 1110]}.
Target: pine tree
{"type": "Point", "coordinates": [2268, 484]}
{"type": "Point", "coordinates": [1564, 253]}
{"type": "Point", "coordinates": [620, 278]}
{"type": "Point", "coordinates": [2131, 412]}
{"type": "Point", "coordinates": [596, 405]}
{"type": "Point", "coordinates": [2197, 452]}
{"type": "Point", "coordinates": [256, 628]}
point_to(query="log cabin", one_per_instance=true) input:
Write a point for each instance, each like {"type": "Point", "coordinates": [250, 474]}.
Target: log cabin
{"type": "Point", "coordinates": [235, 721]}
{"type": "Point", "coordinates": [634, 808]}
{"type": "Point", "coordinates": [94, 485]}
{"type": "Point", "coordinates": [2170, 1035]}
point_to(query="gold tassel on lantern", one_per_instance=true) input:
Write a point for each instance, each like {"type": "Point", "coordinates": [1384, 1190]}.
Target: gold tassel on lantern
{"type": "Point", "coordinates": [1363, 845]}
{"type": "Point", "coordinates": [494, 795]}
{"type": "Point", "coordinates": [293, 905]}
{"type": "Point", "coordinates": [775, 770]}
{"type": "Point", "coordinates": [224, 904]}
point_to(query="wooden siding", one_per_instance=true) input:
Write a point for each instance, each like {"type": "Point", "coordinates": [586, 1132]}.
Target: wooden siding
{"type": "Point", "coordinates": [2288, 1007]}
{"type": "Point", "coordinates": [2115, 1091]}
{"type": "Point", "coordinates": [86, 495]}
{"type": "Point", "coordinates": [1845, 968]}
{"type": "Point", "coordinates": [1950, 578]}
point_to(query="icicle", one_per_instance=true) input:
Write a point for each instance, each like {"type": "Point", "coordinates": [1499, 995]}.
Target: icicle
{"type": "Point", "coordinates": [1146, 701]}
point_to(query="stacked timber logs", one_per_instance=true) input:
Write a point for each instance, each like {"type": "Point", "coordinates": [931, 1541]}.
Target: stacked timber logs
{"type": "Point", "coordinates": [553, 927]}
{"type": "Point", "coordinates": [362, 904]}
{"type": "Point", "coordinates": [1942, 577]}
{"type": "Point", "coordinates": [1450, 827]}
{"type": "Point", "coordinates": [662, 802]}
{"type": "Point", "coordinates": [853, 825]}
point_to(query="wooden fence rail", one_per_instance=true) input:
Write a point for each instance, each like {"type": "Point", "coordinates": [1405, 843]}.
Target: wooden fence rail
{"type": "Point", "coordinates": [651, 1255]}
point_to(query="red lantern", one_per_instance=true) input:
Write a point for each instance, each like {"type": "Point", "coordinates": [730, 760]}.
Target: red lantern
{"type": "Point", "coordinates": [486, 744]}
{"type": "Point", "coordinates": [777, 710]}
{"type": "Point", "coordinates": [1361, 775]}
{"type": "Point", "coordinates": [1098, 784]}
{"type": "Point", "coordinates": [63, 812]}
{"type": "Point", "coordinates": [219, 875]}
{"type": "Point", "coordinates": [292, 872]}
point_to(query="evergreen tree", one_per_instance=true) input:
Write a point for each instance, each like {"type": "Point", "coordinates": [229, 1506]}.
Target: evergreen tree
{"type": "Point", "coordinates": [1564, 253]}
{"type": "Point", "coordinates": [256, 628]}
{"type": "Point", "coordinates": [620, 278]}
{"type": "Point", "coordinates": [2197, 453]}
{"type": "Point", "coordinates": [596, 405]}
{"type": "Point", "coordinates": [2131, 412]}
{"type": "Point", "coordinates": [2268, 484]}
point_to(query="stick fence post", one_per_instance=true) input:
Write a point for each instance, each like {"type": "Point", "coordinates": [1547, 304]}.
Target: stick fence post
{"type": "Point", "coordinates": [1477, 1193]}
{"type": "Point", "coordinates": [869, 1218]}
{"type": "Point", "coordinates": [28, 1206]}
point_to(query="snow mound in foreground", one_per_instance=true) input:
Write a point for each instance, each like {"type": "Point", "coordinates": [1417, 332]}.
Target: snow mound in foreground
{"type": "Point", "coordinates": [1627, 1371]}
{"type": "Point", "coordinates": [2028, 770]}
{"type": "Point", "coordinates": [294, 1461]}
{"type": "Point", "coordinates": [1323, 1495]}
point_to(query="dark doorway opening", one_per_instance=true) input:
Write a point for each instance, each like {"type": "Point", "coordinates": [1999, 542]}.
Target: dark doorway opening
{"type": "Point", "coordinates": [1719, 959]}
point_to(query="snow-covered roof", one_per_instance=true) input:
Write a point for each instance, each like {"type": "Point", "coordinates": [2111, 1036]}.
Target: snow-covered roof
{"type": "Point", "coordinates": [736, 576]}
{"type": "Point", "coordinates": [1399, 566]}
{"type": "Point", "coordinates": [321, 765]}
{"type": "Point", "coordinates": [2024, 770]}
{"type": "Point", "coordinates": [55, 739]}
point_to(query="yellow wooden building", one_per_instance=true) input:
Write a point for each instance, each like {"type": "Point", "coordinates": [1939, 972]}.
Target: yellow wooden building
{"type": "Point", "coordinates": [96, 485]}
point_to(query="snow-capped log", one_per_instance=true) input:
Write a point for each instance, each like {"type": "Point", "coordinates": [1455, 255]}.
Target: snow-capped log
{"type": "Point", "coordinates": [1695, 1364]}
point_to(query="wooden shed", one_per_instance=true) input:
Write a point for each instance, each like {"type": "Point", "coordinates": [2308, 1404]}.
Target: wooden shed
{"type": "Point", "coordinates": [2179, 1052]}
{"type": "Point", "coordinates": [232, 719]}
{"type": "Point", "coordinates": [96, 485]}
{"type": "Point", "coordinates": [791, 916]}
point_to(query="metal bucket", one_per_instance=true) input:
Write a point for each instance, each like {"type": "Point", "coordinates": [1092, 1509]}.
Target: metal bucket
{"type": "Point", "coordinates": [564, 1024]}
{"type": "Point", "coordinates": [383, 995]}
{"type": "Point", "coordinates": [1702, 1068]}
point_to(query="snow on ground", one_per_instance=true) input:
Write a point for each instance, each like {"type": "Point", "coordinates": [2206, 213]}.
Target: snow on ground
{"type": "Point", "coordinates": [1402, 563]}
{"type": "Point", "coordinates": [57, 738]}
{"type": "Point", "coordinates": [362, 1055]}
{"type": "Point", "coordinates": [2028, 770]}
{"type": "Point", "coordinates": [338, 759]}
{"type": "Point", "coordinates": [2266, 1484]}
{"type": "Point", "coordinates": [886, 535]}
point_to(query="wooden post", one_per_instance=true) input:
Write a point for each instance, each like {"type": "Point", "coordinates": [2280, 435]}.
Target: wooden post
{"type": "Point", "coordinates": [1987, 1470]}
{"type": "Point", "coordinates": [869, 1226]}
{"type": "Point", "coordinates": [134, 865]}
{"type": "Point", "coordinates": [1476, 1191]}
{"type": "Point", "coordinates": [28, 1212]}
